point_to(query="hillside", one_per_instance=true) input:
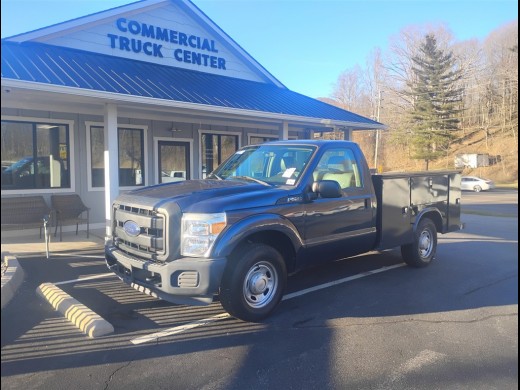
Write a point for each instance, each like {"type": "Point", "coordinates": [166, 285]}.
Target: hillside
{"type": "Point", "coordinates": [394, 156]}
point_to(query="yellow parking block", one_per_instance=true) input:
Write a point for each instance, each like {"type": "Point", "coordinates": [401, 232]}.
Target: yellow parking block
{"type": "Point", "coordinates": [92, 324]}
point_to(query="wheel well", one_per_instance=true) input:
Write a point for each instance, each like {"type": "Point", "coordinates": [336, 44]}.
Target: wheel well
{"type": "Point", "coordinates": [435, 218]}
{"type": "Point", "coordinates": [275, 239]}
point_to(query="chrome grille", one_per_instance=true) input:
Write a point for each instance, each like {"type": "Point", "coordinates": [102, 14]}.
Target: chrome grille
{"type": "Point", "coordinates": [150, 241]}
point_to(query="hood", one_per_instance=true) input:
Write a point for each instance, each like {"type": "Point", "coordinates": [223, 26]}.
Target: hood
{"type": "Point", "coordinates": [209, 196]}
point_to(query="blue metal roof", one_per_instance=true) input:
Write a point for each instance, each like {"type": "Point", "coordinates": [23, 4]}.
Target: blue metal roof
{"type": "Point", "coordinates": [54, 65]}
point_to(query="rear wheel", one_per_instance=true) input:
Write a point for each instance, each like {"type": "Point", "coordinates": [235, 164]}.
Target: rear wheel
{"type": "Point", "coordinates": [422, 250]}
{"type": "Point", "coordinates": [253, 283]}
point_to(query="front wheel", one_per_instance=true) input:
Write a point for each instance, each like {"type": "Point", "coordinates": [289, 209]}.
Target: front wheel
{"type": "Point", "coordinates": [477, 188]}
{"type": "Point", "coordinates": [253, 282]}
{"type": "Point", "coordinates": [422, 250]}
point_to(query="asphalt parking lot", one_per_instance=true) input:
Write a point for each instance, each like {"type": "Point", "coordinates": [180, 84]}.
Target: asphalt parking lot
{"type": "Point", "coordinates": [364, 323]}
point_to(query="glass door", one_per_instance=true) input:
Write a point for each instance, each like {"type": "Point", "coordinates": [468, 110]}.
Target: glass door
{"type": "Point", "coordinates": [174, 161]}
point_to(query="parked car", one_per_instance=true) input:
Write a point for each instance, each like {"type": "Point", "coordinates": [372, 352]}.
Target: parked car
{"type": "Point", "coordinates": [172, 176]}
{"type": "Point", "coordinates": [24, 174]}
{"type": "Point", "coordinates": [477, 184]}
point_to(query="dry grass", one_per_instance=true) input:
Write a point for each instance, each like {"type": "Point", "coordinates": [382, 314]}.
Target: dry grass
{"type": "Point", "coordinates": [395, 157]}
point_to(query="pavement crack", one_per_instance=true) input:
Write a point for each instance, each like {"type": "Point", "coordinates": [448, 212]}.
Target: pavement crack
{"type": "Point", "coordinates": [491, 284]}
{"type": "Point", "coordinates": [107, 383]}
{"type": "Point", "coordinates": [474, 320]}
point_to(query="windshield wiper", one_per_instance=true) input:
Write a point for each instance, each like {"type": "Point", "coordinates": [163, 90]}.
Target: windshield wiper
{"type": "Point", "coordinates": [249, 178]}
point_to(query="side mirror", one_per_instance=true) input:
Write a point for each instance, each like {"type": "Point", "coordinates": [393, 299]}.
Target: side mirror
{"type": "Point", "coordinates": [327, 188]}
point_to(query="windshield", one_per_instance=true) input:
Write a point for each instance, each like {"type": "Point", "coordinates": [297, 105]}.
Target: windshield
{"type": "Point", "coordinates": [266, 164]}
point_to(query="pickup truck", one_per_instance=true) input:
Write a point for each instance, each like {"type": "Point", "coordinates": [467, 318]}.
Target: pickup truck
{"type": "Point", "coordinates": [268, 211]}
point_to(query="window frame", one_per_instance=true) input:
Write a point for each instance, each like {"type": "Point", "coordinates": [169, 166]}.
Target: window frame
{"type": "Point", "coordinates": [220, 133]}
{"type": "Point", "coordinates": [355, 159]}
{"type": "Point", "coordinates": [144, 128]}
{"type": "Point", "coordinates": [44, 121]}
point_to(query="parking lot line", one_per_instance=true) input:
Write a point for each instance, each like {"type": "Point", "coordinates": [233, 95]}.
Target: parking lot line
{"type": "Point", "coordinates": [218, 317]}
{"type": "Point", "coordinates": [99, 276]}
{"type": "Point", "coordinates": [178, 329]}
{"type": "Point", "coordinates": [340, 281]}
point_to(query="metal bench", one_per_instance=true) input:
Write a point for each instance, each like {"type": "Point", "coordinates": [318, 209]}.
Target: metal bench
{"type": "Point", "coordinates": [26, 212]}
{"type": "Point", "coordinates": [69, 209]}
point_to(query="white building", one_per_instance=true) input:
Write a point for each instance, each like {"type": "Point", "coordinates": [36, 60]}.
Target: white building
{"type": "Point", "coordinates": [138, 95]}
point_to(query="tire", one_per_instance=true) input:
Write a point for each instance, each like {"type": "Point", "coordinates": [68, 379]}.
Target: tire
{"type": "Point", "coordinates": [422, 250]}
{"type": "Point", "coordinates": [477, 188]}
{"type": "Point", "coordinates": [253, 282]}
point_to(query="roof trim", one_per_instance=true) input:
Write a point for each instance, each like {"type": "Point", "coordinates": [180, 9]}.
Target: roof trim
{"type": "Point", "coordinates": [82, 20]}
{"type": "Point", "coordinates": [132, 99]}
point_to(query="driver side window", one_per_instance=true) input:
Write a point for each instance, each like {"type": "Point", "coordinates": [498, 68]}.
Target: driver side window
{"type": "Point", "coordinates": [339, 165]}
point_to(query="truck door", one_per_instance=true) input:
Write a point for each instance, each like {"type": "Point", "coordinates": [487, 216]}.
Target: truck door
{"type": "Point", "coordinates": [345, 226]}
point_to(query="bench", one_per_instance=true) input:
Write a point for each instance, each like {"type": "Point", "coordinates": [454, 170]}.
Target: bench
{"type": "Point", "coordinates": [25, 212]}
{"type": "Point", "coordinates": [69, 209]}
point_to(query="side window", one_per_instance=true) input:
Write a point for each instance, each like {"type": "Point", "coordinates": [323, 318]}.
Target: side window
{"type": "Point", "coordinates": [339, 165]}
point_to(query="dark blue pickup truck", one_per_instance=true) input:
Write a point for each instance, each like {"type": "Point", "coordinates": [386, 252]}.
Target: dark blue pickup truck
{"type": "Point", "coordinates": [270, 210]}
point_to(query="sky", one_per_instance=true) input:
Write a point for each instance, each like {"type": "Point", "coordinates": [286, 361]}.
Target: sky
{"type": "Point", "coordinates": [305, 44]}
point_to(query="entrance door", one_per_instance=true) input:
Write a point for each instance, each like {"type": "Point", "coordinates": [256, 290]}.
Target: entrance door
{"type": "Point", "coordinates": [174, 161]}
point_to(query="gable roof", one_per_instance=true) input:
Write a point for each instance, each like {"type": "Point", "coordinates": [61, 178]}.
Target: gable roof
{"type": "Point", "coordinates": [63, 29]}
{"type": "Point", "coordinates": [38, 60]}
{"type": "Point", "coordinates": [71, 69]}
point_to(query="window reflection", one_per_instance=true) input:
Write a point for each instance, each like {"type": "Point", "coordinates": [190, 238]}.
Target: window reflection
{"type": "Point", "coordinates": [216, 148]}
{"type": "Point", "coordinates": [131, 156]}
{"type": "Point", "coordinates": [35, 155]}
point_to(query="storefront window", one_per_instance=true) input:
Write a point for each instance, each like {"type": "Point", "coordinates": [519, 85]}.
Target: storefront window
{"type": "Point", "coordinates": [131, 157]}
{"type": "Point", "coordinates": [255, 140]}
{"type": "Point", "coordinates": [35, 155]}
{"type": "Point", "coordinates": [215, 149]}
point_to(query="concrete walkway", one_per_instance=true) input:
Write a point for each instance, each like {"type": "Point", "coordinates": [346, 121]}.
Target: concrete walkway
{"type": "Point", "coordinates": [19, 244]}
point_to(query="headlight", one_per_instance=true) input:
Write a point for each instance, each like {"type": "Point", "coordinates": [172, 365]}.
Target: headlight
{"type": "Point", "coordinates": [199, 232]}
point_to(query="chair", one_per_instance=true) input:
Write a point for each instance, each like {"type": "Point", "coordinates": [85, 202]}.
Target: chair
{"type": "Point", "coordinates": [69, 210]}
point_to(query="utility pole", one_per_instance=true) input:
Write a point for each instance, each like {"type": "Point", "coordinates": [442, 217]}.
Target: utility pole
{"type": "Point", "coordinates": [377, 131]}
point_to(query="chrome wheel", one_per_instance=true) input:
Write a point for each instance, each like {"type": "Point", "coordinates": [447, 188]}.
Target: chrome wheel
{"type": "Point", "coordinates": [425, 244]}
{"type": "Point", "coordinates": [253, 282]}
{"type": "Point", "coordinates": [260, 284]}
{"type": "Point", "coordinates": [421, 251]}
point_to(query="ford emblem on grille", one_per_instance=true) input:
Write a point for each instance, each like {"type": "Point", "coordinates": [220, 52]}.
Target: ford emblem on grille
{"type": "Point", "coordinates": [131, 228]}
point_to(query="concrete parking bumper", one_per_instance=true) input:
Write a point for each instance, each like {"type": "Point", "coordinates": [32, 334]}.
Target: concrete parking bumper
{"type": "Point", "coordinates": [81, 316]}
{"type": "Point", "coordinates": [92, 324]}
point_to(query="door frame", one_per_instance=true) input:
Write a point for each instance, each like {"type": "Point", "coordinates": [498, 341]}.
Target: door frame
{"type": "Point", "coordinates": [156, 141]}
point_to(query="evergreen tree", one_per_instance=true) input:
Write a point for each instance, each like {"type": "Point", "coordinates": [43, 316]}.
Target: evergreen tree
{"type": "Point", "coordinates": [436, 101]}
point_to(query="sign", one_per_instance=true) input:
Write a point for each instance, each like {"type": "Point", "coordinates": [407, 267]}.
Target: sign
{"type": "Point", "coordinates": [63, 151]}
{"type": "Point", "coordinates": [137, 37]}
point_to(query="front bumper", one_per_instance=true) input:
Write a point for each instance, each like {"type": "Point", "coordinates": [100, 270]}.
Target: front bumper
{"type": "Point", "coordinates": [186, 281]}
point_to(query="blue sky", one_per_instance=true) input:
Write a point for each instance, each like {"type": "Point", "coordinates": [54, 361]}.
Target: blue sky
{"type": "Point", "coordinates": [306, 44]}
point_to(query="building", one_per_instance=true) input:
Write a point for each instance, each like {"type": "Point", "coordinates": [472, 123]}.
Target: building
{"type": "Point", "coordinates": [146, 93]}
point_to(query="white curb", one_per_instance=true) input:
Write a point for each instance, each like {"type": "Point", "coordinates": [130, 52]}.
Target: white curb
{"type": "Point", "coordinates": [11, 279]}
